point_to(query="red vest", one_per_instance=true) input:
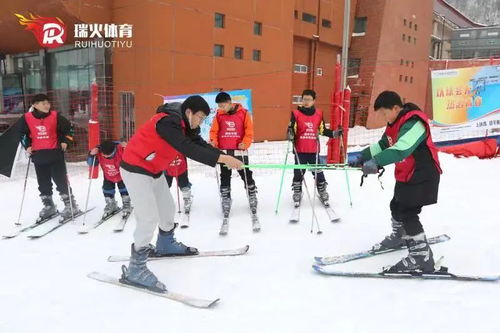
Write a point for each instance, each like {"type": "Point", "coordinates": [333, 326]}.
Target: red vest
{"type": "Point", "coordinates": [231, 128]}
{"type": "Point", "coordinates": [404, 170]}
{"type": "Point", "coordinates": [306, 138]}
{"type": "Point", "coordinates": [146, 149]}
{"type": "Point", "coordinates": [43, 132]}
{"type": "Point", "coordinates": [111, 166]}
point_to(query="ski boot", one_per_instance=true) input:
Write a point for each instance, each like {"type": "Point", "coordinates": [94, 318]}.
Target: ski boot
{"type": "Point", "coordinates": [111, 207]}
{"type": "Point", "coordinates": [70, 207]}
{"type": "Point", "coordinates": [323, 193]}
{"type": "Point", "coordinates": [126, 206]}
{"type": "Point", "coordinates": [252, 197]}
{"type": "Point", "coordinates": [420, 257]}
{"type": "Point", "coordinates": [167, 245]}
{"type": "Point", "coordinates": [188, 199]}
{"type": "Point", "coordinates": [297, 193]}
{"type": "Point", "coordinates": [137, 274]}
{"type": "Point", "coordinates": [226, 200]}
{"type": "Point", "coordinates": [49, 209]}
{"type": "Point", "coordinates": [394, 240]}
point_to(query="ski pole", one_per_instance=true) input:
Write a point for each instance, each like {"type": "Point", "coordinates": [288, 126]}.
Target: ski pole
{"type": "Point", "coordinates": [282, 178]}
{"type": "Point", "coordinates": [302, 166]}
{"type": "Point", "coordinates": [307, 192]}
{"type": "Point", "coordinates": [70, 192]}
{"type": "Point", "coordinates": [88, 189]}
{"type": "Point", "coordinates": [315, 185]}
{"type": "Point", "coordinates": [178, 195]}
{"type": "Point", "coordinates": [24, 192]}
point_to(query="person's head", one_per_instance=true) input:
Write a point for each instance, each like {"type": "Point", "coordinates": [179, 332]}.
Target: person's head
{"type": "Point", "coordinates": [223, 101]}
{"type": "Point", "coordinates": [41, 103]}
{"type": "Point", "coordinates": [390, 104]}
{"type": "Point", "coordinates": [107, 148]}
{"type": "Point", "coordinates": [308, 98]}
{"type": "Point", "coordinates": [196, 110]}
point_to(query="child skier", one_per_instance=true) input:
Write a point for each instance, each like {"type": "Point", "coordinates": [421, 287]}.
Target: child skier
{"type": "Point", "coordinates": [305, 125]}
{"type": "Point", "coordinates": [232, 132]}
{"type": "Point", "coordinates": [109, 155]}
{"type": "Point", "coordinates": [407, 142]}
{"type": "Point", "coordinates": [184, 187]}
{"type": "Point", "coordinates": [46, 136]}
{"type": "Point", "coordinates": [162, 143]}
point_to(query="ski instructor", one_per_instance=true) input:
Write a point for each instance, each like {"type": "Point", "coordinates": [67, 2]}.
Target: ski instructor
{"type": "Point", "coordinates": [162, 143]}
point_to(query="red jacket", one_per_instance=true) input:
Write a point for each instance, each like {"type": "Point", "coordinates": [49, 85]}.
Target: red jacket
{"type": "Point", "coordinates": [229, 129]}
{"type": "Point", "coordinates": [307, 129]}
{"type": "Point", "coordinates": [43, 132]}
{"type": "Point", "coordinates": [111, 166]}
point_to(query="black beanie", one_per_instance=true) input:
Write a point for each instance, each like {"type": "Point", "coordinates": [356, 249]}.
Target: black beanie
{"type": "Point", "coordinates": [222, 97]}
{"type": "Point", "coordinates": [195, 103]}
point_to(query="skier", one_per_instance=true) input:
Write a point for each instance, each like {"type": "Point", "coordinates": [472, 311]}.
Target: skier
{"type": "Point", "coordinates": [109, 155]}
{"type": "Point", "coordinates": [407, 142]}
{"type": "Point", "coordinates": [306, 123]}
{"type": "Point", "coordinates": [46, 136]}
{"type": "Point", "coordinates": [162, 143]}
{"type": "Point", "coordinates": [232, 131]}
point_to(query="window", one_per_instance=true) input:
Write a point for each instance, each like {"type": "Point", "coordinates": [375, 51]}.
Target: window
{"type": "Point", "coordinates": [296, 14]}
{"type": "Point", "coordinates": [402, 62]}
{"type": "Point", "coordinates": [409, 39]}
{"type": "Point", "coordinates": [415, 27]}
{"type": "Point", "coordinates": [353, 67]}
{"type": "Point", "coordinates": [218, 50]}
{"type": "Point", "coordinates": [412, 64]}
{"type": "Point", "coordinates": [411, 79]}
{"type": "Point", "coordinates": [256, 55]}
{"type": "Point", "coordinates": [238, 52]}
{"type": "Point", "coordinates": [360, 25]}
{"type": "Point", "coordinates": [326, 23]}
{"type": "Point", "coordinates": [306, 17]}
{"type": "Point", "coordinates": [127, 114]}
{"type": "Point", "coordinates": [296, 99]}
{"type": "Point", "coordinates": [415, 40]}
{"type": "Point", "coordinates": [404, 37]}
{"type": "Point", "coordinates": [219, 20]}
{"type": "Point", "coordinates": [406, 78]}
{"type": "Point", "coordinates": [411, 24]}
{"type": "Point", "coordinates": [400, 78]}
{"type": "Point", "coordinates": [298, 68]}
{"type": "Point", "coordinates": [257, 28]}
{"type": "Point", "coordinates": [319, 71]}
{"type": "Point", "coordinates": [404, 22]}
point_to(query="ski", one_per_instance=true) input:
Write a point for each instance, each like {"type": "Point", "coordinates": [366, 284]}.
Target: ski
{"type": "Point", "coordinates": [255, 223]}
{"type": "Point", "coordinates": [121, 225]}
{"type": "Point", "coordinates": [220, 253]}
{"type": "Point", "coordinates": [441, 274]}
{"type": "Point", "coordinates": [332, 216]}
{"type": "Point", "coordinates": [52, 227]}
{"type": "Point", "coordinates": [191, 301]}
{"type": "Point", "coordinates": [16, 231]}
{"type": "Point", "coordinates": [295, 217]}
{"type": "Point", "coordinates": [370, 253]}
{"type": "Point", "coordinates": [225, 226]}
{"type": "Point", "coordinates": [84, 229]}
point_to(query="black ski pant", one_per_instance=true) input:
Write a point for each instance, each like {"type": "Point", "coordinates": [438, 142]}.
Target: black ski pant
{"type": "Point", "coordinates": [408, 215]}
{"type": "Point", "coordinates": [182, 179]}
{"type": "Point", "coordinates": [108, 188]}
{"type": "Point", "coordinates": [225, 173]}
{"type": "Point", "coordinates": [307, 158]}
{"type": "Point", "coordinates": [53, 170]}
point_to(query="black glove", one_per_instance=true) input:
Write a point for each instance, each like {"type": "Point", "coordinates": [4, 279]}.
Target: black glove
{"type": "Point", "coordinates": [338, 132]}
{"type": "Point", "coordinates": [290, 134]}
{"type": "Point", "coordinates": [370, 167]}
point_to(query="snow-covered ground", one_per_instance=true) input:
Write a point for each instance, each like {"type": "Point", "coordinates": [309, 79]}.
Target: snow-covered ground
{"type": "Point", "coordinates": [44, 288]}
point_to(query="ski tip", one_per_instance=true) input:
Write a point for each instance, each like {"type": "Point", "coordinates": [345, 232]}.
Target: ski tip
{"type": "Point", "coordinates": [246, 247]}
{"type": "Point", "coordinates": [216, 301]}
{"type": "Point", "coordinates": [318, 261]}
{"type": "Point", "coordinates": [317, 268]}
{"type": "Point", "coordinates": [446, 237]}
{"type": "Point", "coordinates": [184, 226]}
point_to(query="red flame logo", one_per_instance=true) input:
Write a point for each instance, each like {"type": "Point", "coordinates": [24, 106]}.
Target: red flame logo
{"type": "Point", "coordinates": [50, 32]}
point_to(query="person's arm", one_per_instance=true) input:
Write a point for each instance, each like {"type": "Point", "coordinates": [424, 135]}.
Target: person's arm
{"type": "Point", "coordinates": [376, 148]}
{"type": "Point", "coordinates": [170, 129]}
{"type": "Point", "coordinates": [328, 132]}
{"type": "Point", "coordinates": [25, 133]}
{"type": "Point", "coordinates": [292, 128]}
{"type": "Point", "coordinates": [64, 130]}
{"type": "Point", "coordinates": [410, 136]}
{"type": "Point", "coordinates": [214, 132]}
{"type": "Point", "coordinates": [248, 138]}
